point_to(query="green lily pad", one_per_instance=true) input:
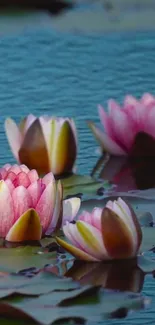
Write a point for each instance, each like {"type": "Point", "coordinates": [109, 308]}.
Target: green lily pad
{"type": "Point", "coordinates": [16, 259]}
{"type": "Point", "coordinates": [73, 305]}
{"type": "Point", "coordinates": [82, 184]}
{"type": "Point", "coordinates": [42, 283]}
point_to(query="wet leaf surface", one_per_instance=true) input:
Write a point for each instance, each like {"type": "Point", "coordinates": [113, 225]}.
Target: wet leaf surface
{"type": "Point", "coordinates": [42, 283]}
{"type": "Point", "coordinates": [85, 304]}
{"type": "Point", "coordinates": [16, 259]}
{"type": "Point", "coordinates": [82, 185]}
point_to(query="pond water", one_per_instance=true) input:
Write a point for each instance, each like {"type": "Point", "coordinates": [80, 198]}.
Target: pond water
{"type": "Point", "coordinates": [46, 72]}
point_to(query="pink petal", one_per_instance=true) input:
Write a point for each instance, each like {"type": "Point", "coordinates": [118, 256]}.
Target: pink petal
{"type": "Point", "coordinates": [122, 127]}
{"type": "Point", "coordinates": [14, 169]}
{"type": "Point", "coordinates": [33, 175]}
{"type": "Point", "coordinates": [112, 104]}
{"type": "Point", "coordinates": [12, 176]}
{"type": "Point", "coordinates": [24, 168]}
{"type": "Point", "coordinates": [85, 216]}
{"type": "Point", "coordinates": [106, 142]}
{"type": "Point", "coordinates": [22, 179]}
{"type": "Point", "coordinates": [130, 101]}
{"type": "Point", "coordinates": [93, 218]}
{"type": "Point", "coordinates": [137, 113]}
{"type": "Point", "coordinates": [14, 136]}
{"type": "Point", "coordinates": [70, 209]}
{"type": "Point", "coordinates": [147, 99]}
{"type": "Point", "coordinates": [124, 206]}
{"type": "Point", "coordinates": [96, 218]}
{"type": "Point", "coordinates": [7, 166]}
{"type": "Point", "coordinates": [105, 120]}
{"type": "Point", "coordinates": [110, 204]}
{"type": "Point", "coordinates": [10, 185]}
{"type": "Point", "coordinates": [69, 232]}
{"type": "Point", "coordinates": [45, 205]}
{"type": "Point", "coordinates": [21, 201]}
{"type": "Point", "coordinates": [57, 214]}
{"type": "Point", "coordinates": [3, 173]}
{"type": "Point", "coordinates": [150, 122]}
{"type": "Point", "coordinates": [35, 191]}
{"type": "Point", "coordinates": [6, 209]}
{"type": "Point", "coordinates": [48, 178]}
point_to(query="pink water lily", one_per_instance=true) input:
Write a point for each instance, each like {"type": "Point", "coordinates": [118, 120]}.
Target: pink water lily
{"type": "Point", "coordinates": [45, 143]}
{"type": "Point", "coordinates": [109, 233]}
{"type": "Point", "coordinates": [122, 124]}
{"type": "Point", "coordinates": [31, 207]}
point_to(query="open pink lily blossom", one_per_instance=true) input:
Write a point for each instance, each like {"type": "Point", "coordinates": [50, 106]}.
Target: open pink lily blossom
{"type": "Point", "coordinates": [31, 207]}
{"type": "Point", "coordinates": [122, 124]}
{"type": "Point", "coordinates": [47, 144]}
{"type": "Point", "coordinates": [105, 234]}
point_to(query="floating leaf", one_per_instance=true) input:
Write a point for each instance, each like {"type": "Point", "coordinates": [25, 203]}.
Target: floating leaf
{"type": "Point", "coordinates": [16, 259]}
{"type": "Point", "coordinates": [147, 265]}
{"type": "Point", "coordinates": [146, 219]}
{"type": "Point", "coordinates": [148, 241]}
{"type": "Point", "coordinates": [81, 185]}
{"type": "Point", "coordinates": [73, 305]}
{"type": "Point", "coordinates": [42, 283]}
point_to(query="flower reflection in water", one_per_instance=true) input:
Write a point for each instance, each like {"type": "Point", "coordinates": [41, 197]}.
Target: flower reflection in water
{"type": "Point", "coordinates": [130, 173]}
{"type": "Point", "coordinates": [121, 275]}
{"type": "Point", "coordinates": [124, 275]}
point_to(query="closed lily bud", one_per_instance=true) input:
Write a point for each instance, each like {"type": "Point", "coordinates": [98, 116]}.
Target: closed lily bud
{"type": "Point", "coordinates": [31, 207]}
{"type": "Point", "coordinates": [105, 234]}
{"type": "Point", "coordinates": [45, 143]}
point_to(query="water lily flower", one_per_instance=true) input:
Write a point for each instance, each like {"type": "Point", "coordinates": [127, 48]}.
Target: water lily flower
{"type": "Point", "coordinates": [105, 234]}
{"type": "Point", "coordinates": [45, 143]}
{"type": "Point", "coordinates": [31, 207]}
{"type": "Point", "coordinates": [122, 124]}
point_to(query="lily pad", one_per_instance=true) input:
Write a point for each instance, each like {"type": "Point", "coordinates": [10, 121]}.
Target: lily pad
{"type": "Point", "coordinates": [42, 283]}
{"type": "Point", "coordinates": [146, 219]}
{"type": "Point", "coordinates": [73, 305]}
{"type": "Point", "coordinates": [16, 259]}
{"type": "Point", "coordinates": [147, 265]}
{"type": "Point", "coordinates": [148, 241]}
{"type": "Point", "coordinates": [82, 184]}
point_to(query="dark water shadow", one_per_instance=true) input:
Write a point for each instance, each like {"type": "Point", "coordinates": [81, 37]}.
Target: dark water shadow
{"type": "Point", "coordinates": [120, 275]}
{"type": "Point", "coordinates": [123, 275]}
{"type": "Point", "coordinates": [137, 171]}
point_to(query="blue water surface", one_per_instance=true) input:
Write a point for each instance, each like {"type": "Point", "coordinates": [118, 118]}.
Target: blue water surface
{"type": "Point", "coordinates": [46, 72]}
